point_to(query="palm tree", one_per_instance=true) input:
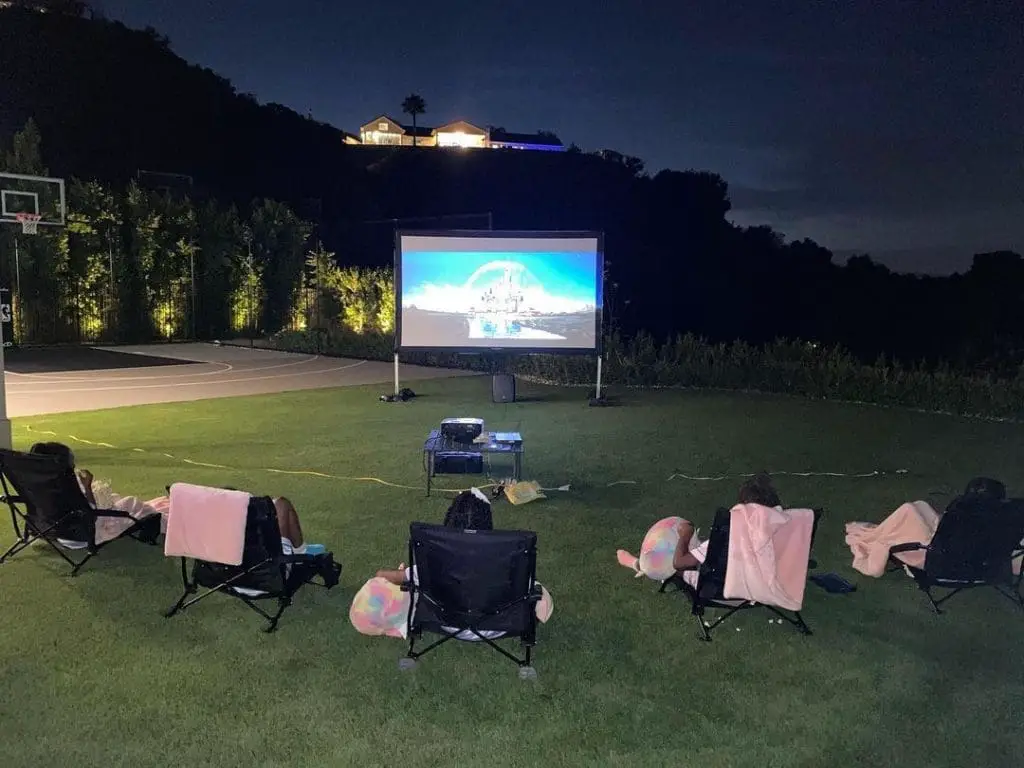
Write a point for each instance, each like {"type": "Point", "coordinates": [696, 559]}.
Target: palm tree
{"type": "Point", "coordinates": [414, 105]}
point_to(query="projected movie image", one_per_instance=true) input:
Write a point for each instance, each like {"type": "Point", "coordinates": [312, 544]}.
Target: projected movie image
{"type": "Point", "coordinates": [456, 298]}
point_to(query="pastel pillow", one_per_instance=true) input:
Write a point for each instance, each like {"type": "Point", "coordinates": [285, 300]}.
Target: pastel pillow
{"type": "Point", "coordinates": [657, 551]}
{"type": "Point", "coordinates": [380, 608]}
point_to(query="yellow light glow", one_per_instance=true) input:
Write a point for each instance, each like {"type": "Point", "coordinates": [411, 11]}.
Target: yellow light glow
{"type": "Point", "coordinates": [459, 139]}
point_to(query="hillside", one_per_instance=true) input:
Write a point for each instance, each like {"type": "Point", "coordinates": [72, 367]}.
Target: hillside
{"type": "Point", "coordinates": [110, 101]}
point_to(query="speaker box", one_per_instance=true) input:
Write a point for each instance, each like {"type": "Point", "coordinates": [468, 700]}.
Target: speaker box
{"type": "Point", "coordinates": [458, 463]}
{"type": "Point", "coordinates": [503, 388]}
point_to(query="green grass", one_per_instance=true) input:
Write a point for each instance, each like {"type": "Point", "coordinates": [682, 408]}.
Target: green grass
{"type": "Point", "coordinates": [92, 675]}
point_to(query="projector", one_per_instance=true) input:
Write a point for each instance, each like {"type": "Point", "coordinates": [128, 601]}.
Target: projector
{"type": "Point", "coordinates": [462, 430]}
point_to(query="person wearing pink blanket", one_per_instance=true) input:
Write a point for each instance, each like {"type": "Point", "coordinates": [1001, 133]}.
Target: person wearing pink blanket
{"type": "Point", "coordinates": [689, 550]}
{"type": "Point", "coordinates": [690, 554]}
{"type": "Point", "coordinates": [100, 496]}
{"type": "Point", "coordinates": [913, 522]}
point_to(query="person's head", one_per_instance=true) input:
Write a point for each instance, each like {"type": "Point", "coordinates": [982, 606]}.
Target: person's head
{"type": "Point", "coordinates": [985, 488]}
{"type": "Point", "coordinates": [61, 451]}
{"type": "Point", "coordinates": [759, 490]}
{"type": "Point", "coordinates": [470, 510]}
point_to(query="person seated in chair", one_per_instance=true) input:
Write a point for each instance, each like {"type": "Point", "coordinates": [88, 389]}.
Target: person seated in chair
{"type": "Point", "coordinates": [914, 522]}
{"type": "Point", "coordinates": [691, 551]}
{"type": "Point", "coordinates": [470, 510]}
{"type": "Point", "coordinates": [100, 496]}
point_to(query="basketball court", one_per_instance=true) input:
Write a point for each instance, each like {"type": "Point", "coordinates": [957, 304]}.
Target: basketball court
{"type": "Point", "coordinates": [65, 379]}
{"type": "Point", "coordinates": [68, 378]}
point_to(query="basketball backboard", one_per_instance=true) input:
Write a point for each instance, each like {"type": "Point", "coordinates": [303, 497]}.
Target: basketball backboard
{"type": "Point", "coordinates": [39, 195]}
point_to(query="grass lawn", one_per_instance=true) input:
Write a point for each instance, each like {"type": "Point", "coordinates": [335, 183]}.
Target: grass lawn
{"type": "Point", "coordinates": [91, 674]}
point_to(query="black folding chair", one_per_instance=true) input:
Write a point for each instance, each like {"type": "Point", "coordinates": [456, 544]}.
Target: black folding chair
{"type": "Point", "coordinates": [43, 493]}
{"type": "Point", "coordinates": [475, 582]}
{"type": "Point", "coordinates": [710, 590]}
{"type": "Point", "coordinates": [265, 569]}
{"type": "Point", "coordinates": [973, 546]}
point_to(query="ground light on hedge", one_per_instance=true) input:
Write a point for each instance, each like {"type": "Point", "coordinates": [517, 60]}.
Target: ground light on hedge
{"type": "Point", "coordinates": [622, 677]}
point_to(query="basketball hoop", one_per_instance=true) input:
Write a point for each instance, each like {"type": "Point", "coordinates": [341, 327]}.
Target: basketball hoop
{"type": "Point", "coordinates": [29, 223]}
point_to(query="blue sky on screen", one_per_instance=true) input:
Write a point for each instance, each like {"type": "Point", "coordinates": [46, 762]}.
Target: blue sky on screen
{"type": "Point", "coordinates": [568, 275]}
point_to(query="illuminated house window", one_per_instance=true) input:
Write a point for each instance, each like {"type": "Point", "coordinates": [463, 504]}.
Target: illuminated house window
{"type": "Point", "coordinates": [383, 127]}
{"type": "Point", "coordinates": [459, 139]}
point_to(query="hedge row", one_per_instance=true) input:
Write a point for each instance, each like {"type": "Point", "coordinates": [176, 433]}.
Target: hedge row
{"type": "Point", "coordinates": [784, 367]}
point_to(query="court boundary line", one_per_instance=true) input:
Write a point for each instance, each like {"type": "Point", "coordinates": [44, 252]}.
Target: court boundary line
{"type": "Point", "coordinates": [211, 383]}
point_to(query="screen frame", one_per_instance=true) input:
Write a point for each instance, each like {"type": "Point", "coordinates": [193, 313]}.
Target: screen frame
{"type": "Point", "coordinates": [497, 234]}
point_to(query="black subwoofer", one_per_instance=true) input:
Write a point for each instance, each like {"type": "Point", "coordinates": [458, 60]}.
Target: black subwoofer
{"type": "Point", "coordinates": [503, 388]}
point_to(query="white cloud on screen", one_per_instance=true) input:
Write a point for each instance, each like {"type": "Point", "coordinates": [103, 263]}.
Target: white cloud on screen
{"type": "Point", "coordinates": [459, 298]}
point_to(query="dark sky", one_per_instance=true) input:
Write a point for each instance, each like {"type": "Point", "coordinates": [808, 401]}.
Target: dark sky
{"type": "Point", "coordinates": [892, 127]}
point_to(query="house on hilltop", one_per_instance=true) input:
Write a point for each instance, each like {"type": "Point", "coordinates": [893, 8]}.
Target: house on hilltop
{"type": "Point", "coordinates": [385, 131]}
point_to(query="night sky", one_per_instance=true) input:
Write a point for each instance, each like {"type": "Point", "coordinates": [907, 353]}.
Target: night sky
{"type": "Point", "coordinates": [889, 127]}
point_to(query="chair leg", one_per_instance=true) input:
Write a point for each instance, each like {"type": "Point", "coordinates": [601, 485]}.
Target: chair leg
{"type": "Point", "coordinates": [935, 603]}
{"type": "Point", "coordinates": [15, 548]}
{"type": "Point", "coordinates": [189, 590]}
{"type": "Point", "coordinates": [699, 615]}
{"type": "Point", "coordinates": [1013, 595]}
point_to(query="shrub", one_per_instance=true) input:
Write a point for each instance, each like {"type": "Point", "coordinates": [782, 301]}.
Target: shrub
{"type": "Point", "coordinates": [785, 367]}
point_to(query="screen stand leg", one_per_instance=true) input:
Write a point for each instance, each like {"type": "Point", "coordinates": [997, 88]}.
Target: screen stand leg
{"type": "Point", "coordinates": [396, 395]}
{"type": "Point", "coordinates": [598, 399]}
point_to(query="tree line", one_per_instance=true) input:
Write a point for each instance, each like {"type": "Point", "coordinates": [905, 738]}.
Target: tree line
{"type": "Point", "coordinates": [134, 264]}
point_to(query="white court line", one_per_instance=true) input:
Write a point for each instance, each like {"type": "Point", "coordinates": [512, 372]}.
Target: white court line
{"type": "Point", "coordinates": [51, 378]}
{"type": "Point", "coordinates": [186, 383]}
{"type": "Point", "coordinates": [228, 367]}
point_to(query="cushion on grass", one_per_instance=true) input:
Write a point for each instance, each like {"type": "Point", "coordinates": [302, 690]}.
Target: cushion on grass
{"type": "Point", "coordinates": [657, 550]}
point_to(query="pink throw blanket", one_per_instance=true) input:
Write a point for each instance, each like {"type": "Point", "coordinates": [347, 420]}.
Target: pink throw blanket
{"type": "Point", "coordinates": [206, 524]}
{"type": "Point", "coordinates": [768, 553]}
{"type": "Point", "coordinates": [870, 543]}
{"type": "Point", "coordinates": [109, 528]}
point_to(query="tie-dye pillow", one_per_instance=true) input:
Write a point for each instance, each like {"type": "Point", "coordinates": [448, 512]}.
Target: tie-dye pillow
{"type": "Point", "coordinates": [380, 608]}
{"type": "Point", "coordinates": [656, 552]}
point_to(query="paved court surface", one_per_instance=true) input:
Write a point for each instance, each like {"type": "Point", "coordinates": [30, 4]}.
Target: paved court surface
{"type": "Point", "coordinates": [184, 372]}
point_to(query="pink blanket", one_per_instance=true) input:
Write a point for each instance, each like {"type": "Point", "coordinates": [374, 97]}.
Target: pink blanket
{"type": "Point", "coordinates": [768, 553]}
{"type": "Point", "coordinates": [108, 528]}
{"type": "Point", "coordinates": [206, 524]}
{"type": "Point", "coordinates": [870, 543]}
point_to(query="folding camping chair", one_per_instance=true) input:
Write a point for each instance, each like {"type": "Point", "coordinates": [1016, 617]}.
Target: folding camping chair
{"type": "Point", "coordinates": [266, 573]}
{"type": "Point", "coordinates": [973, 546]}
{"type": "Point", "coordinates": [472, 584]}
{"type": "Point", "coordinates": [45, 495]}
{"type": "Point", "coordinates": [710, 590]}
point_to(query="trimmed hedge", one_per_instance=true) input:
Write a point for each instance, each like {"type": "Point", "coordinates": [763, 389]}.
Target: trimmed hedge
{"type": "Point", "coordinates": [784, 367]}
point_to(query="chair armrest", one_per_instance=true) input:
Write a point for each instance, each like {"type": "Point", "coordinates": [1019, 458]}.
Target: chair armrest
{"type": "Point", "coordinates": [308, 559]}
{"type": "Point", "coordinates": [912, 547]}
{"type": "Point", "coordinates": [12, 499]}
{"type": "Point", "coordinates": [111, 513]}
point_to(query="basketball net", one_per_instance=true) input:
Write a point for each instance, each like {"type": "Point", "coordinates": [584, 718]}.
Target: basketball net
{"type": "Point", "coordinates": [29, 223]}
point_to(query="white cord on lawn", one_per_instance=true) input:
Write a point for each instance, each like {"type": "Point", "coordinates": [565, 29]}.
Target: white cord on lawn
{"type": "Point", "coordinates": [873, 473]}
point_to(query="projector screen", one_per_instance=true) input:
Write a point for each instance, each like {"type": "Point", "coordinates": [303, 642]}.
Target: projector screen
{"type": "Point", "coordinates": [525, 291]}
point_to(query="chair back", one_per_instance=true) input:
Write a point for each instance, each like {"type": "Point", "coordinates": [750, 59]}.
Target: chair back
{"type": "Point", "coordinates": [50, 494]}
{"type": "Point", "coordinates": [261, 557]}
{"type": "Point", "coordinates": [472, 579]}
{"type": "Point", "coordinates": [711, 578]}
{"type": "Point", "coordinates": [975, 541]}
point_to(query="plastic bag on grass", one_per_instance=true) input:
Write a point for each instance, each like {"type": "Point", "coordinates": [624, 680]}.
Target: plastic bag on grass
{"type": "Point", "coordinates": [524, 492]}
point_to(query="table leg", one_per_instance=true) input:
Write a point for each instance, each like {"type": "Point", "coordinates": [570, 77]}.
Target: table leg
{"type": "Point", "coordinates": [430, 469]}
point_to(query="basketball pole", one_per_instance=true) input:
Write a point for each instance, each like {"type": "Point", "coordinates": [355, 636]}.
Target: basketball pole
{"type": "Point", "coordinates": [6, 441]}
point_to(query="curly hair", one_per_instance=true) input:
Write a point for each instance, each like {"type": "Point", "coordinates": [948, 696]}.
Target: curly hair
{"type": "Point", "coordinates": [470, 510]}
{"type": "Point", "coordinates": [759, 490]}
